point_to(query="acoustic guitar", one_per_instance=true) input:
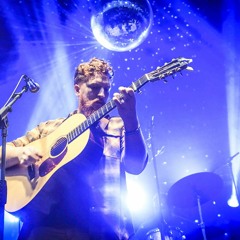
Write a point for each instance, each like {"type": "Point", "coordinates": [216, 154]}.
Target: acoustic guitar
{"type": "Point", "coordinates": [24, 183]}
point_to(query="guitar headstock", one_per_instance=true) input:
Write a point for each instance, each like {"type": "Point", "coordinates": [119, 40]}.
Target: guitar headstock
{"type": "Point", "coordinates": [168, 69]}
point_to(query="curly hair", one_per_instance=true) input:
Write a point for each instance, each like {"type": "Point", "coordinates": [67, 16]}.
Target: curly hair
{"type": "Point", "coordinates": [94, 66]}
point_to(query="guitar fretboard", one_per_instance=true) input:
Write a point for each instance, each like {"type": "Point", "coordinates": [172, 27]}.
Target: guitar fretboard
{"type": "Point", "coordinates": [176, 65]}
{"type": "Point", "coordinates": [101, 112]}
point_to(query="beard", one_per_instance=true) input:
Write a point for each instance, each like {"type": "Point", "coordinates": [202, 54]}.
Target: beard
{"type": "Point", "coordinates": [89, 107]}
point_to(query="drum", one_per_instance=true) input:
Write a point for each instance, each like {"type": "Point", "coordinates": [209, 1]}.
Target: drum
{"type": "Point", "coordinates": [153, 234]}
{"type": "Point", "coordinates": [175, 233]}
{"type": "Point", "coordinates": [172, 233]}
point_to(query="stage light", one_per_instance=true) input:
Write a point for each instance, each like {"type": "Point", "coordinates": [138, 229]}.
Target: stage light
{"type": "Point", "coordinates": [233, 201]}
{"type": "Point", "coordinates": [137, 197]}
{"type": "Point", "coordinates": [58, 84]}
{"type": "Point", "coordinates": [233, 104]}
{"type": "Point", "coordinates": [10, 218]}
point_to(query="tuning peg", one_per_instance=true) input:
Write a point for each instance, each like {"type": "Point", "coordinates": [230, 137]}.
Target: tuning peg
{"type": "Point", "coordinates": [165, 80]}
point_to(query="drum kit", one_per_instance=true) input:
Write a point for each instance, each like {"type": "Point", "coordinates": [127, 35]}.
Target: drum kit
{"type": "Point", "coordinates": [195, 190]}
{"type": "Point", "coordinates": [190, 191]}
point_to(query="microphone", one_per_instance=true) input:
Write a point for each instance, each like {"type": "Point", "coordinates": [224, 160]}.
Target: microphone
{"type": "Point", "coordinates": [32, 85]}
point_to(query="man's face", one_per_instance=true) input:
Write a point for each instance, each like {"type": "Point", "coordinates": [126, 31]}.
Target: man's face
{"type": "Point", "coordinates": [92, 94]}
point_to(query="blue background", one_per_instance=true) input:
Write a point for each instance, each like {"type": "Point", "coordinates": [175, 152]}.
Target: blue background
{"type": "Point", "coordinates": [191, 124]}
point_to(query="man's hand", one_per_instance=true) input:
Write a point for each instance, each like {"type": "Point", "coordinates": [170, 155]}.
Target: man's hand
{"type": "Point", "coordinates": [28, 155]}
{"type": "Point", "coordinates": [126, 104]}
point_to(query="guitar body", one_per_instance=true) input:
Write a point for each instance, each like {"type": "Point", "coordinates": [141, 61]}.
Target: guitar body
{"type": "Point", "coordinates": [24, 183]}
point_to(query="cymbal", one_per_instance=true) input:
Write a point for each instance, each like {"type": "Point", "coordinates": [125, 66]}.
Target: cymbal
{"type": "Point", "coordinates": [185, 192]}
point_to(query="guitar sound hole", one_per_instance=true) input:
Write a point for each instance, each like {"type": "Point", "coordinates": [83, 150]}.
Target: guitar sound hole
{"type": "Point", "coordinates": [58, 151]}
{"type": "Point", "coordinates": [59, 146]}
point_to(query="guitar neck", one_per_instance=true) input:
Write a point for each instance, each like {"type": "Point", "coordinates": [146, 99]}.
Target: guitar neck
{"type": "Point", "coordinates": [176, 65]}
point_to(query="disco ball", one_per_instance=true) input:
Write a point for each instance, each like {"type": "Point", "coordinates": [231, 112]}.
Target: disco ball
{"type": "Point", "coordinates": [122, 25]}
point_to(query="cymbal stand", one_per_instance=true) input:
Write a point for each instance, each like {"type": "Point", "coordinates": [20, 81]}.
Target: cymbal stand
{"type": "Point", "coordinates": [201, 224]}
{"type": "Point", "coordinates": [161, 221]}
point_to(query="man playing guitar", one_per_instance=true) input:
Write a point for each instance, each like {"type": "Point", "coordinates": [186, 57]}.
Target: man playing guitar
{"type": "Point", "coordinates": [66, 177]}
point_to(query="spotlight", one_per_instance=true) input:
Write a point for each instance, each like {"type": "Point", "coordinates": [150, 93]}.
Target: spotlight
{"type": "Point", "coordinates": [10, 218]}
{"type": "Point", "coordinates": [136, 200]}
{"type": "Point", "coordinates": [233, 202]}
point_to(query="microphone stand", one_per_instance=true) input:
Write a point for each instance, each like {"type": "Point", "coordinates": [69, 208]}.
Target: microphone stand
{"type": "Point", "coordinates": [160, 219]}
{"type": "Point", "coordinates": [3, 185]}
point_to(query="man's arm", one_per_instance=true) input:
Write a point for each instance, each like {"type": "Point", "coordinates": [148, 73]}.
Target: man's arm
{"type": "Point", "coordinates": [20, 155]}
{"type": "Point", "coordinates": [19, 152]}
{"type": "Point", "coordinates": [135, 151]}
{"type": "Point", "coordinates": [12, 155]}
